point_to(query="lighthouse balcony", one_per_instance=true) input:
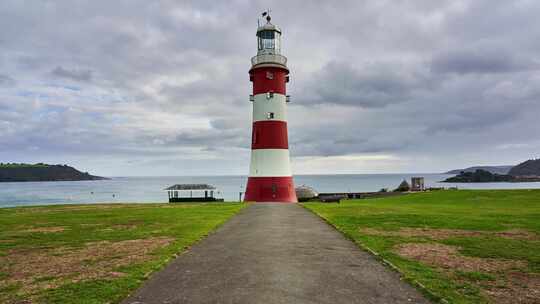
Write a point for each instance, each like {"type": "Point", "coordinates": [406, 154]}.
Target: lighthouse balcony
{"type": "Point", "coordinates": [269, 58]}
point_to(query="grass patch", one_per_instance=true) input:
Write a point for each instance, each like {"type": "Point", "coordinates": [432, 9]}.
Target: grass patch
{"type": "Point", "coordinates": [95, 253]}
{"type": "Point", "coordinates": [464, 246]}
{"type": "Point", "coordinates": [475, 276]}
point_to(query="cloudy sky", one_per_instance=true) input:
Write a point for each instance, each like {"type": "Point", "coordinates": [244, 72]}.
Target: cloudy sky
{"type": "Point", "coordinates": [134, 87]}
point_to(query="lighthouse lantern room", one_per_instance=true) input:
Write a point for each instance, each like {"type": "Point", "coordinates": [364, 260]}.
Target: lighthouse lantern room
{"type": "Point", "coordinates": [270, 178]}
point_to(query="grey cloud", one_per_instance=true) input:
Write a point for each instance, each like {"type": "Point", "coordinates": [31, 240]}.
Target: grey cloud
{"type": "Point", "coordinates": [33, 62]}
{"type": "Point", "coordinates": [469, 121]}
{"type": "Point", "coordinates": [6, 81]}
{"type": "Point", "coordinates": [312, 146]}
{"type": "Point", "coordinates": [480, 61]}
{"type": "Point", "coordinates": [434, 79]}
{"type": "Point", "coordinates": [222, 134]}
{"type": "Point", "coordinates": [210, 140]}
{"type": "Point", "coordinates": [72, 74]}
{"type": "Point", "coordinates": [371, 86]}
{"type": "Point", "coordinates": [224, 124]}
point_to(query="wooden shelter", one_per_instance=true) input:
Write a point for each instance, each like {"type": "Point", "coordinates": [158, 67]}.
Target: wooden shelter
{"type": "Point", "coordinates": [192, 193]}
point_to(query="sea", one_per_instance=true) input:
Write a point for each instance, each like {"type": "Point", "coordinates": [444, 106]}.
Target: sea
{"type": "Point", "coordinates": [151, 189]}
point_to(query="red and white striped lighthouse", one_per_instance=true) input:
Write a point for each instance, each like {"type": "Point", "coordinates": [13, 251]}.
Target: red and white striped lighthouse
{"type": "Point", "coordinates": [270, 178]}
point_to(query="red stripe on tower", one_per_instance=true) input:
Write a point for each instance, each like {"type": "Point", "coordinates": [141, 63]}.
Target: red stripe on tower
{"type": "Point", "coordinates": [269, 134]}
{"type": "Point", "coordinates": [270, 189]}
{"type": "Point", "coordinates": [270, 178]}
{"type": "Point", "coordinates": [262, 84]}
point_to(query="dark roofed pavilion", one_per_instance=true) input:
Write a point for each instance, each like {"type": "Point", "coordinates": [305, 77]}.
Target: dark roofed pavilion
{"type": "Point", "coordinates": [191, 193]}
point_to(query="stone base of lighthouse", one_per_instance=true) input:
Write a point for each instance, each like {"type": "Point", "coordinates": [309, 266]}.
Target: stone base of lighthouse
{"type": "Point", "coordinates": [270, 189]}
{"type": "Point", "coordinates": [270, 178]}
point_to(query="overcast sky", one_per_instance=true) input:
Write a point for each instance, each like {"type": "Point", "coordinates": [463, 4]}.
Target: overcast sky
{"type": "Point", "coordinates": [144, 87]}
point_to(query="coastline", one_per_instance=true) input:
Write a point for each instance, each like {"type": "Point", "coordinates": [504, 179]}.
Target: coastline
{"type": "Point", "coordinates": [150, 189]}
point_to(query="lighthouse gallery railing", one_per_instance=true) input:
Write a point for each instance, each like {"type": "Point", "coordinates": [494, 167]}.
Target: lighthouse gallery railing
{"type": "Point", "coordinates": [269, 58]}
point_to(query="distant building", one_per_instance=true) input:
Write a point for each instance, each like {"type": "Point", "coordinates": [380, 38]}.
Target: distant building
{"type": "Point", "coordinates": [192, 193]}
{"type": "Point", "coordinates": [417, 184]}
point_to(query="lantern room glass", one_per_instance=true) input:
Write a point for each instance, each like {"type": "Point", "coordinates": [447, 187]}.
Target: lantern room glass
{"type": "Point", "coordinates": [269, 42]}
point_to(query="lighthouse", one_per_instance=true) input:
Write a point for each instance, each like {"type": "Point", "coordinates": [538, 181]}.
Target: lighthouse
{"type": "Point", "coordinates": [270, 177]}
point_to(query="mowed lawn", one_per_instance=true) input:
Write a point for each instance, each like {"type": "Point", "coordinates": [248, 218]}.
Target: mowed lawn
{"type": "Point", "coordinates": [463, 246]}
{"type": "Point", "coordinates": [95, 253]}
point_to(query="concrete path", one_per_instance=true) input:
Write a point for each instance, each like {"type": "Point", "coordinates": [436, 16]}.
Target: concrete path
{"type": "Point", "coordinates": [275, 253]}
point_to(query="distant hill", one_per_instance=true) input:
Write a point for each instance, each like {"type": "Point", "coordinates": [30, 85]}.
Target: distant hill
{"type": "Point", "coordinates": [526, 168]}
{"type": "Point", "coordinates": [492, 169]}
{"type": "Point", "coordinates": [482, 176]}
{"type": "Point", "coordinates": [478, 176]}
{"type": "Point", "coordinates": [42, 172]}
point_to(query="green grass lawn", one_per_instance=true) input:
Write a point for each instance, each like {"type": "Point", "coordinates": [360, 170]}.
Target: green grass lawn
{"type": "Point", "coordinates": [466, 246]}
{"type": "Point", "coordinates": [95, 253]}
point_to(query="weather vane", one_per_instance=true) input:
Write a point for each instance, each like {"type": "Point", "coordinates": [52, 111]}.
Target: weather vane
{"type": "Point", "coordinates": [267, 15]}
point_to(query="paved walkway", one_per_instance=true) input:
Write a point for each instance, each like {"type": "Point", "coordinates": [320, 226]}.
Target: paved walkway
{"type": "Point", "coordinates": [275, 253]}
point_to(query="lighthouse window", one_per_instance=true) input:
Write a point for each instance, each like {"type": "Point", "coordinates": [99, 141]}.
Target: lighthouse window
{"type": "Point", "coordinates": [270, 115]}
{"type": "Point", "coordinates": [277, 42]}
{"type": "Point", "coordinates": [266, 40]}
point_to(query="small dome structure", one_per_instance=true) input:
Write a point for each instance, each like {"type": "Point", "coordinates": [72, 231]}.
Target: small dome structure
{"type": "Point", "coordinates": [305, 193]}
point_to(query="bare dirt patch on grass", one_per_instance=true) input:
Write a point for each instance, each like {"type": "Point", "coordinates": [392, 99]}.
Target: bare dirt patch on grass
{"type": "Point", "coordinates": [41, 209]}
{"type": "Point", "coordinates": [44, 230]}
{"type": "Point", "coordinates": [520, 234]}
{"type": "Point", "coordinates": [120, 227]}
{"type": "Point", "coordinates": [441, 234]}
{"type": "Point", "coordinates": [523, 288]}
{"type": "Point", "coordinates": [96, 260]}
{"type": "Point", "coordinates": [511, 283]}
{"type": "Point", "coordinates": [449, 258]}
{"type": "Point", "coordinates": [124, 226]}
{"type": "Point", "coordinates": [91, 225]}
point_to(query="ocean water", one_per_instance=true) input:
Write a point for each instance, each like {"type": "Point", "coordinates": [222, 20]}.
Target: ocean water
{"type": "Point", "coordinates": [150, 189]}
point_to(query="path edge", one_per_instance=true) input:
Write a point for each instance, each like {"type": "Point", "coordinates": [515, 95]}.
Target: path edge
{"type": "Point", "coordinates": [415, 283]}
{"type": "Point", "coordinates": [170, 259]}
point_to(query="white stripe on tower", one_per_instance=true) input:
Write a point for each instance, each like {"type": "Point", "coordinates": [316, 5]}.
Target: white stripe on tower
{"type": "Point", "coordinates": [262, 105]}
{"type": "Point", "coordinates": [269, 163]}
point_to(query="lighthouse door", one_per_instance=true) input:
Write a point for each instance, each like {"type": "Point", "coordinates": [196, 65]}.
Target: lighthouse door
{"type": "Point", "coordinates": [269, 192]}
{"type": "Point", "coordinates": [274, 190]}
